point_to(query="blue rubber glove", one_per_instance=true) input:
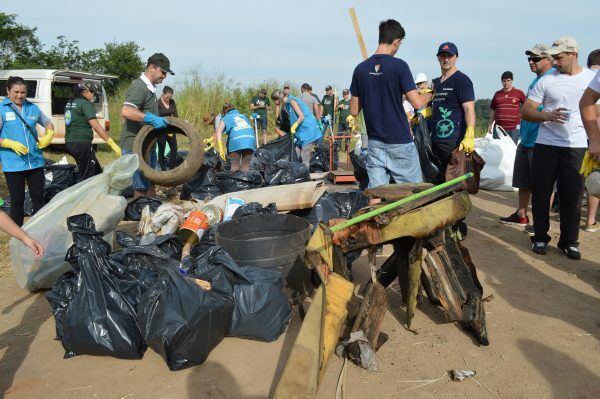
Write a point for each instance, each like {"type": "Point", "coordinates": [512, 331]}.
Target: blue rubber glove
{"type": "Point", "coordinates": [156, 121]}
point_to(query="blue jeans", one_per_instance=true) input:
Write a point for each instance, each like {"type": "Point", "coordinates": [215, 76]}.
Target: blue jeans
{"type": "Point", "coordinates": [399, 161]}
{"type": "Point", "coordinates": [140, 183]}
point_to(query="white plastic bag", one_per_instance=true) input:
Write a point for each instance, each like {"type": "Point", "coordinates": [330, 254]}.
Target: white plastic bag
{"type": "Point", "coordinates": [95, 196]}
{"type": "Point", "coordinates": [499, 157]}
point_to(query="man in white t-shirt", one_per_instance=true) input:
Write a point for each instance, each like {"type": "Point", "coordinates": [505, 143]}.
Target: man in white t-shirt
{"type": "Point", "coordinates": [560, 146]}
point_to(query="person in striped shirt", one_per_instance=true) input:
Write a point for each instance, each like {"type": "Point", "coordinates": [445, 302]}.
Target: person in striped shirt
{"type": "Point", "coordinates": [505, 108]}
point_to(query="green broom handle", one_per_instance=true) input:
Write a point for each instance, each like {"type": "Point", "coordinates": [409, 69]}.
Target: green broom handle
{"type": "Point", "coordinates": [398, 203]}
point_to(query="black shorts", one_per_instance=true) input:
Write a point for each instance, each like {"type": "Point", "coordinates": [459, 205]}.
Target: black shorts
{"type": "Point", "coordinates": [522, 170]}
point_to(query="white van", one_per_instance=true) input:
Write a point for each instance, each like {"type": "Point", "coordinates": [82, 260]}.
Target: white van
{"type": "Point", "coordinates": [51, 89]}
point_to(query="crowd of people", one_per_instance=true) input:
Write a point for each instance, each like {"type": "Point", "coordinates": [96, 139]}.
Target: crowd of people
{"type": "Point", "coordinates": [548, 122]}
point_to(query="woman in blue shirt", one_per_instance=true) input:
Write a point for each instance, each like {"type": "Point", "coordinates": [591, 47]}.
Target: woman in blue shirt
{"type": "Point", "coordinates": [304, 127]}
{"type": "Point", "coordinates": [241, 141]}
{"type": "Point", "coordinates": [20, 148]}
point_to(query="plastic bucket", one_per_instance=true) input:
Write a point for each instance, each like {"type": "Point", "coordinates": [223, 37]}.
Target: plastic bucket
{"type": "Point", "coordinates": [271, 241]}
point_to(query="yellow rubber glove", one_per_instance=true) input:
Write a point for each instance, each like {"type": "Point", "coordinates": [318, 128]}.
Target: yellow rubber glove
{"type": "Point", "coordinates": [588, 165]}
{"type": "Point", "coordinates": [114, 146]}
{"type": "Point", "coordinates": [222, 152]}
{"type": "Point", "coordinates": [46, 139]}
{"type": "Point", "coordinates": [294, 128]}
{"type": "Point", "coordinates": [352, 123]}
{"type": "Point", "coordinates": [426, 90]}
{"type": "Point", "coordinates": [17, 147]}
{"type": "Point", "coordinates": [468, 142]}
{"type": "Point", "coordinates": [209, 143]}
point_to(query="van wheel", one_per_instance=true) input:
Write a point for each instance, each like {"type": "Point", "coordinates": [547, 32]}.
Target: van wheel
{"type": "Point", "coordinates": [144, 142]}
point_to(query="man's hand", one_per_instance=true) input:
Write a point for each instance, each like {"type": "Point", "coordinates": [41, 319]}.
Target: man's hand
{"type": "Point", "coordinates": [17, 147]}
{"type": "Point", "coordinates": [468, 142]}
{"type": "Point", "coordinates": [46, 139]}
{"type": "Point", "coordinates": [556, 116]}
{"type": "Point", "coordinates": [588, 164]}
{"type": "Point", "coordinates": [594, 150]}
{"type": "Point", "coordinates": [156, 121]}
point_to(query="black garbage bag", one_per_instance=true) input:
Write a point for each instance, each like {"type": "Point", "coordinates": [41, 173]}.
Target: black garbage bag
{"type": "Point", "coordinates": [181, 321]}
{"type": "Point", "coordinates": [60, 297]}
{"type": "Point", "coordinates": [359, 164]}
{"type": "Point", "coordinates": [230, 182]}
{"type": "Point", "coordinates": [207, 241]}
{"type": "Point", "coordinates": [202, 186]}
{"type": "Point", "coordinates": [319, 161]}
{"type": "Point", "coordinates": [135, 207]}
{"type": "Point", "coordinates": [284, 172]}
{"type": "Point", "coordinates": [100, 318]}
{"type": "Point", "coordinates": [58, 177]}
{"type": "Point", "coordinates": [216, 266]}
{"type": "Point", "coordinates": [168, 243]}
{"type": "Point", "coordinates": [282, 148]}
{"type": "Point", "coordinates": [254, 208]}
{"type": "Point", "coordinates": [334, 205]}
{"type": "Point", "coordinates": [429, 162]}
{"type": "Point", "coordinates": [262, 310]}
{"type": "Point", "coordinates": [27, 205]}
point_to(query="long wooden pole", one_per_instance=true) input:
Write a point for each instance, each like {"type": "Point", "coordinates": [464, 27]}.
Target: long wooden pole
{"type": "Point", "coordinates": [359, 38]}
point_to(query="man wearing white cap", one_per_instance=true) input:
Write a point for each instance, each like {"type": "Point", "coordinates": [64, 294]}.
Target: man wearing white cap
{"type": "Point", "coordinates": [560, 146]}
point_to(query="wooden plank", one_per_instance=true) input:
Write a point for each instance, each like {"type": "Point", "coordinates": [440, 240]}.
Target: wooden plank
{"type": "Point", "coordinates": [359, 38]}
{"type": "Point", "coordinates": [394, 192]}
{"type": "Point", "coordinates": [288, 197]}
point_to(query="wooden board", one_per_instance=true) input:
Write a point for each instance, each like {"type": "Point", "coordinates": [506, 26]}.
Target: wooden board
{"type": "Point", "coordinates": [288, 197]}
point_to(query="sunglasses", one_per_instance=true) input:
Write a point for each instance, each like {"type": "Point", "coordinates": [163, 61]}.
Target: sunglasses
{"type": "Point", "coordinates": [535, 59]}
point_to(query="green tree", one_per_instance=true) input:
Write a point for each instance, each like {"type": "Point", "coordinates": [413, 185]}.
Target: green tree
{"type": "Point", "coordinates": [67, 55]}
{"type": "Point", "coordinates": [482, 114]}
{"type": "Point", "coordinates": [121, 59]}
{"type": "Point", "coordinates": [19, 44]}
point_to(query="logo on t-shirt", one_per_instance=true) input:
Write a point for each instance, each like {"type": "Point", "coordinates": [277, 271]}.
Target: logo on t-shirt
{"type": "Point", "coordinates": [68, 117]}
{"type": "Point", "coordinates": [445, 127]}
{"type": "Point", "coordinates": [377, 67]}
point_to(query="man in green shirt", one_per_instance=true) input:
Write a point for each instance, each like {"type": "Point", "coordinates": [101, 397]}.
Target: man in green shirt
{"type": "Point", "coordinates": [343, 113]}
{"type": "Point", "coordinates": [329, 103]}
{"type": "Point", "coordinates": [139, 108]}
{"type": "Point", "coordinates": [260, 105]}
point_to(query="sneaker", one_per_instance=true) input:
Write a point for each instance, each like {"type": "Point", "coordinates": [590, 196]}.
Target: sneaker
{"type": "Point", "coordinates": [539, 247]}
{"type": "Point", "coordinates": [529, 230]}
{"type": "Point", "coordinates": [515, 219]}
{"type": "Point", "coordinates": [592, 228]}
{"type": "Point", "coordinates": [571, 251]}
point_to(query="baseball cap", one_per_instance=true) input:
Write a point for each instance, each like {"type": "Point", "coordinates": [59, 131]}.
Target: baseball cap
{"type": "Point", "coordinates": [89, 85]}
{"type": "Point", "coordinates": [447, 47]}
{"type": "Point", "coordinates": [565, 44]}
{"type": "Point", "coordinates": [328, 87]}
{"type": "Point", "coordinates": [161, 61]}
{"type": "Point", "coordinates": [345, 91]}
{"type": "Point", "coordinates": [538, 49]}
{"type": "Point", "coordinates": [421, 77]}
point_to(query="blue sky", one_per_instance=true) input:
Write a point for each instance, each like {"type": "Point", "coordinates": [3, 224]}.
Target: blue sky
{"type": "Point", "coordinates": [313, 41]}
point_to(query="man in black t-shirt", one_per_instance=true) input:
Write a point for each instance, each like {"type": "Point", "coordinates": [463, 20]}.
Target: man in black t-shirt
{"type": "Point", "coordinates": [453, 121]}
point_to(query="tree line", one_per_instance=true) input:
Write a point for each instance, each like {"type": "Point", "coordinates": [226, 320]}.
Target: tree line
{"type": "Point", "coordinates": [21, 48]}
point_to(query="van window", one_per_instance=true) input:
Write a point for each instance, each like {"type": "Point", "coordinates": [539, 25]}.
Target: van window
{"type": "Point", "coordinates": [62, 92]}
{"type": "Point", "coordinates": [31, 87]}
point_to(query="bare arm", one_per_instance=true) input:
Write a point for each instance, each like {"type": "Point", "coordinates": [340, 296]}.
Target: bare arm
{"type": "Point", "coordinates": [298, 112]}
{"type": "Point", "coordinates": [9, 227]}
{"type": "Point", "coordinates": [132, 113]}
{"type": "Point", "coordinates": [589, 116]}
{"type": "Point", "coordinates": [418, 100]}
{"type": "Point", "coordinates": [355, 106]}
{"type": "Point", "coordinates": [98, 129]}
{"type": "Point", "coordinates": [469, 108]}
{"type": "Point", "coordinates": [219, 131]}
{"type": "Point", "coordinates": [530, 113]}
{"type": "Point", "coordinates": [317, 108]}
{"type": "Point", "coordinates": [492, 118]}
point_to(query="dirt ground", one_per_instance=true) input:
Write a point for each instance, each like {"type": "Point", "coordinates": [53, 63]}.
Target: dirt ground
{"type": "Point", "coordinates": [543, 323]}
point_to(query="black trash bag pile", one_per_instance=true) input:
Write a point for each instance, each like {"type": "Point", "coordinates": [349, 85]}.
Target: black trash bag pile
{"type": "Point", "coordinates": [429, 162]}
{"type": "Point", "coordinates": [168, 243]}
{"type": "Point", "coordinates": [262, 311]}
{"type": "Point", "coordinates": [319, 161]}
{"type": "Point", "coordinates": [134, 208]}
{"type": "Point", "coordinates": [284, 172]}
{"type": "Point", "coordinates": [334, 206]}
{"type": "Point", "coordinates": [254, 208]}
{"type": "Point", "coordinates": [229, 182]}
{"type": "Point", "coordinates": [359, 164]}
{"type": "Point", "coordinates": [280, 149]}
{"type": "Point", "coordinates": [96, 314]}
{"type": "Point", "coordinates": [204, 184]}
{"type": "Point", "coordinates": [207, 241]}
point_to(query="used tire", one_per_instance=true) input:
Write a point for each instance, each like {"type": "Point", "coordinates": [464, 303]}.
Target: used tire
{"type": "Point", "coordinates": [145, 140]}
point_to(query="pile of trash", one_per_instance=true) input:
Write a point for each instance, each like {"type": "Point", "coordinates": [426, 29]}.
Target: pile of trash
{"type": "Point", "coordinates": [118, 304]}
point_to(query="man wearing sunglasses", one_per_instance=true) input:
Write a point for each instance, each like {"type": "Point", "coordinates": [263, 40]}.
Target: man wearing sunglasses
{"type": "Point", "coordinates": [560, 146]}
{"type": "Point", "coordinates": [540, 63]}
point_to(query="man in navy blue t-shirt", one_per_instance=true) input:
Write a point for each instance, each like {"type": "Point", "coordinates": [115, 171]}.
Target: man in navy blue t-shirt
{"type": "Point", "coordinates": [453, 121]}
{"type": "Point", "coordinates": [378, 84]}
